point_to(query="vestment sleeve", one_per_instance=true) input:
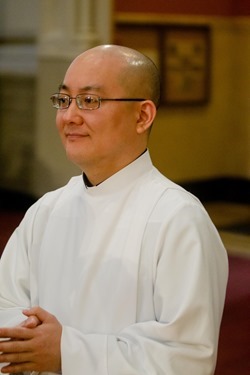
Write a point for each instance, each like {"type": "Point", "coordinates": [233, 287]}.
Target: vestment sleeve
{"type": "Point", "coordinates": [17, 281]}
{"type": "Point", "coordinates": [189, 277]}
{"type": "Point", "coordinates": [14, 281]}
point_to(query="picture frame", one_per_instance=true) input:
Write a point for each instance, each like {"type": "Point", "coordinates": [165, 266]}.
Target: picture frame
{"type": "Point", "coordinates": [185, 64]}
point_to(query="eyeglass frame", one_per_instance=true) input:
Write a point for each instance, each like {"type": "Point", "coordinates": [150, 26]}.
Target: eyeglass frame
{"type": "Point", "coordinates": [99, 100]}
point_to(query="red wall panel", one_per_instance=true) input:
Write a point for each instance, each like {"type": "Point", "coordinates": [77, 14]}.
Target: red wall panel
{"type": "Point", "coordinates": [192, 7]}
{"type": "Point", "coordinates": [241, 7]}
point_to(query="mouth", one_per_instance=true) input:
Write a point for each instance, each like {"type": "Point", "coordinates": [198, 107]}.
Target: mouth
{"type": "Point", "coordinates": [75, 136]}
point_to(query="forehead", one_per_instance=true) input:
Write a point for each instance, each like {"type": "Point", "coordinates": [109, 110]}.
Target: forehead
{"type": "Point", "coordinates": [94, 72]}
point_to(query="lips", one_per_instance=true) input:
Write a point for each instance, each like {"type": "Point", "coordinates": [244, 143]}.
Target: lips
{"type": "Point", "coordinates": [75, 135]}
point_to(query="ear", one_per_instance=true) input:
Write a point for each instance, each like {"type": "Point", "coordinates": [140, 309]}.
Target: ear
{"type": "Point", "coordinates": [146, 116]}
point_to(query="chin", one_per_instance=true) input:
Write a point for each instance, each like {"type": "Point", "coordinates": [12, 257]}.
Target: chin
{"type": "Point", "coordinates": [78, 158]}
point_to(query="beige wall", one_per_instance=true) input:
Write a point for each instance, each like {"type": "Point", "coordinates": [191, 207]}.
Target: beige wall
{"type": "Point", "coordinates": [241, 99]}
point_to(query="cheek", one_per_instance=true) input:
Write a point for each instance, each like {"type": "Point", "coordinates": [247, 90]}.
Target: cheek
{"type": "Point", "coordinates": [59, 122]}
{"type": "Point", "coordinates": [57, 119]}
{"type": "Point", "coordinates": [60, 127]}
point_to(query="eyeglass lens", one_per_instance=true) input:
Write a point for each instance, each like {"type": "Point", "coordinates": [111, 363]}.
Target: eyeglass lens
{"type": "Point", "coordinates": [84, 101]}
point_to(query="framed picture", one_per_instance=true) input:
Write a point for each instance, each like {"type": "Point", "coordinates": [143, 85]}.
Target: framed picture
{"type": "Point", "coordinates": [185, 64]}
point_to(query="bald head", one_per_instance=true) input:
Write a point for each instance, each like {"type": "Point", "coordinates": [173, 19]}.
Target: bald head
{"type": "Point", "coordinates": [124, 84]}
{"type": "Point", "coordinates": [138, 75]}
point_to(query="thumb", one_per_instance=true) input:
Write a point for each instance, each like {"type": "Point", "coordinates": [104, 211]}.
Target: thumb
{"type": "Point", "coordinates": [37, 312]}
{"type": "Point", "coordinates": [31, 322]}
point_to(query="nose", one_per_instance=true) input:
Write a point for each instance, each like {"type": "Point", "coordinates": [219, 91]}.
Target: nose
{"type": "Point", "coordinates": [72, 114]}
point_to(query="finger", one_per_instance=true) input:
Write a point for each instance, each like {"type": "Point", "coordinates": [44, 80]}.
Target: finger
{"type": "Point", "coordinates": [13, 346]}
{"type": "Point", "coordinates": [15, 357]}
{"type": "Point", "coordinates": [14, 333]}
{"type": "Point", "coordinates": [17, 368]}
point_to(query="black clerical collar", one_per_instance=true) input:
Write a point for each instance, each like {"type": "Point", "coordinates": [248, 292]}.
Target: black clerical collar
{"type": "Point", "coordinates": [86, 181]}
{"type": "Point", "coordinates": [88, 184]}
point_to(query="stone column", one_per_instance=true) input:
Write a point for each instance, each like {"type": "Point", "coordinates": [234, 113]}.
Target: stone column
{"type": "Point", "coordinates": [67, 28]}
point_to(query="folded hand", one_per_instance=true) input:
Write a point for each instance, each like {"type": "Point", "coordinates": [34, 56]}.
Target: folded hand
{"type": "Point", "coordinates": [34, 345]}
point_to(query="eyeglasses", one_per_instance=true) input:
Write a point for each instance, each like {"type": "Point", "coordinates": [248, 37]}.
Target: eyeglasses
{"type": "Point", "coordinates": [85, 101]}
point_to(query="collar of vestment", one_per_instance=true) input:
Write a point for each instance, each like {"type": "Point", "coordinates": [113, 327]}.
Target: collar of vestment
{"type": "Point", "coordinates": [122, 178]}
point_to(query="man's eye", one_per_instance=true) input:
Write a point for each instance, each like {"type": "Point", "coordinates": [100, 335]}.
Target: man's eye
{"type": "Point", "coordinates": [62, 100]}
{"type": "Point", "coordinates": [90, 99]}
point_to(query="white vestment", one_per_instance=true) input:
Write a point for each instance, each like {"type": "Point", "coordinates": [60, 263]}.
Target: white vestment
{"type": "Point", "coordinates": [133, 269]}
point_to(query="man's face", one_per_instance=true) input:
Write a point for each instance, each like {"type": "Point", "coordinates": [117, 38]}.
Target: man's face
{"type": "Point", "coordinates": [100, 138]}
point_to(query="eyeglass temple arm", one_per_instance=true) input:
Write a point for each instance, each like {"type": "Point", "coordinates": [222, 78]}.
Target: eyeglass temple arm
{"type": "Point", "coordinates": [123, 100]}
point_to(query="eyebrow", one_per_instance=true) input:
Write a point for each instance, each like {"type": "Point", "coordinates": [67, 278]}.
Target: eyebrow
{"type": "Point", "coordinates": [62, 86]}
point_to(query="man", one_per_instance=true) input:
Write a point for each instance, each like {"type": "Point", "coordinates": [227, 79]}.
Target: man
{"type": "Point", "coordinates": [121, 271]}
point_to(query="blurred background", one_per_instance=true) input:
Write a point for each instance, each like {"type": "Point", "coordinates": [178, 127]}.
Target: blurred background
{"type": "Point", "coordinates": [201, 136]}
{"type": "Point", "coordinates": [205, 144]}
